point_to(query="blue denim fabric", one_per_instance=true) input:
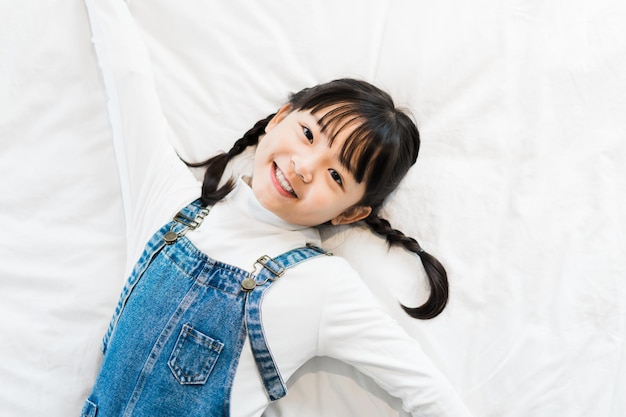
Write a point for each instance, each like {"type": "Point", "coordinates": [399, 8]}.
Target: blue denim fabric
{"type": "Point", "coordinates": [175, 338]}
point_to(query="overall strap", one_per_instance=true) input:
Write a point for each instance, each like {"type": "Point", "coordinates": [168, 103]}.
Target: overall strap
{"type": "Point", "coordinates": [188, 218]}
{"type": "Point", "coordinates": [272, 268]}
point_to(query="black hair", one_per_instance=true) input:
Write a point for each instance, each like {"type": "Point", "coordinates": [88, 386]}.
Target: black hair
{"type": "Point", "coordinates": [380, 149]}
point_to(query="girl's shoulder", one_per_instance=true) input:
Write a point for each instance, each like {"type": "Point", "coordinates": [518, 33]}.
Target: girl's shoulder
{"type": "Point", "coordinates": [332, 274]}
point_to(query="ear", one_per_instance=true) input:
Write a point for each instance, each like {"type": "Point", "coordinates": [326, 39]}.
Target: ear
{"type": "Point", "coordinates": [278, 117]}
{"type": "Point", "coordinates": [352, 214]}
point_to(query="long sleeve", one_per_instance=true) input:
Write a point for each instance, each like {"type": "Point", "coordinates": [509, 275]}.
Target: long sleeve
{"type": "Point", "coordinates": [354, 329]}
{"type": "Point", "coordinates": [151, 174]}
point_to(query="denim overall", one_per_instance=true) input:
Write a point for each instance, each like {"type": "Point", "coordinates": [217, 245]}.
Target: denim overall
{"type": "Point", "coordinates": [174, 350]}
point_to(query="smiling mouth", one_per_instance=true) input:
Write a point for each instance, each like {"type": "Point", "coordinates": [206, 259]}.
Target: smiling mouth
{"type": "Point", "coordinates": [283, 181]}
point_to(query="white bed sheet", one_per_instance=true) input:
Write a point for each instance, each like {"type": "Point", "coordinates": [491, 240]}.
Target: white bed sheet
{"type": "Point", "coordinates": [520, 188]}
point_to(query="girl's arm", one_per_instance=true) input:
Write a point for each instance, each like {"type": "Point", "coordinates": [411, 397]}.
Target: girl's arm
{"type": "Point", "coordinates": [154, 182]}
{"type": "Point", "coordinates": [356, 330]}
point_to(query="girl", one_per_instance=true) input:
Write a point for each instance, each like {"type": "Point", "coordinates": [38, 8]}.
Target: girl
{"type": "Point", "coordinates": [233, 293]}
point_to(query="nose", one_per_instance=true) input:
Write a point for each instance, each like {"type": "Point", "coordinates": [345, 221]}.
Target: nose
{"type": "Point", "coordinates": [303, 167]}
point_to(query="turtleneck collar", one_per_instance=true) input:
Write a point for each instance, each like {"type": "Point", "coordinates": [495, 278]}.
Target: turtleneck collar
{"type": "Point", "coordinates": [244, 197]}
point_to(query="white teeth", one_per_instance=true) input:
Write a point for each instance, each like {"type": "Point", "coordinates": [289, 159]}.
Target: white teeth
{"type": "Point", "coordinates": [283, 182]}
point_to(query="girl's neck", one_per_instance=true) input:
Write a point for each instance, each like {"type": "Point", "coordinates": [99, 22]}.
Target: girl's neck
{"type": "Point", "coordinates": [259, 212]}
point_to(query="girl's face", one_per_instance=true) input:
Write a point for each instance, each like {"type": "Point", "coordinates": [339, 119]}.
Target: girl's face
{"type": "Point", "coordinates": [297, 174]}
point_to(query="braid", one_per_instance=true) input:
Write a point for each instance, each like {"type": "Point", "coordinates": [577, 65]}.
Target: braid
{"type": "Point", "coordinates": [215, 166]}
{"type": "Point", "coordinates": [437, 277]}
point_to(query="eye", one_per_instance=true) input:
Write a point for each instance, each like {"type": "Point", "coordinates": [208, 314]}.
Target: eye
{"type": "Point", "coordinates": [335, 176]}
{"type": "Point", "coordinates": [307, 133]}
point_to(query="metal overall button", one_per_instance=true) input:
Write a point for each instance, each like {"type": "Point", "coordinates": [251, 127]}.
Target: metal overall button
{"type": "Point", "coordinates": [188, 223]}
{"type": "Point", "coordinates": [248, 284]}
{"type": "Point", "coordinates": [170, 237]}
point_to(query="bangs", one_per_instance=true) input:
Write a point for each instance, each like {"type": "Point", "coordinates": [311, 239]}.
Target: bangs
{"type": "Point", "coordinates": [364, 150]}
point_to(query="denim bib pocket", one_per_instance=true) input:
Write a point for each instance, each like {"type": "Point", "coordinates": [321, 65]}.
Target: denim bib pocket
{"type": "Point", "coordinates": [194, 356]}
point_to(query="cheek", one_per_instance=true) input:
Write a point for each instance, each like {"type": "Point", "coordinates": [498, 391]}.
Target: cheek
{"type": "Point", "coordinates": [331, 205]}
